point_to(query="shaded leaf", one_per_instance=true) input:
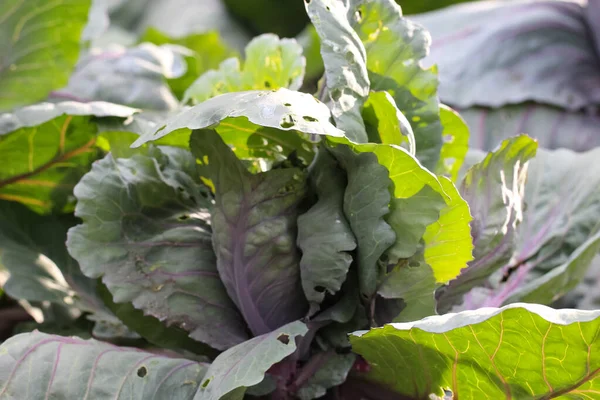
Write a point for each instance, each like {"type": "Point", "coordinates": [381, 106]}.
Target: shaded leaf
{"type": "Point", "coordinates": [150, 328]}
{"type": "Point", "coordinates": [494, 189]}
{"type": "Point", "coordinates": [245, 365]}
{"type": "Point", "coordinates": [271, 63]}
{"type": "Point", "coordinates": [39, 268]}
{"type": "Point", "coordinates": [39, 49]}
{"type": "Point", "coordinates": [324, 234]}
{"type": "Point", "coordinates": [254, 234]}
{"type": "Point", "coordinates": [146, 232]}
{"type": "Point", "coordinates": [518, 351]}
{"type": "Point", "coordinates": [366, 203]}
{"type": "Point", "coordinates": [332, 371]}
{"type": "Point", "coordinates": [46, 148]}
{"type": "Point", "coordinates": [135, 77]}
{"type": "Point", "coordinates": [207, 53]}
{"type": "Point", "coordinates": [414, 283]}
{"type": "Point", "coordinates": [394, 47]}
{"type": "Point", "coordinates": [37, 365]}
{"type": "Point", "coordinates": [344, 58]}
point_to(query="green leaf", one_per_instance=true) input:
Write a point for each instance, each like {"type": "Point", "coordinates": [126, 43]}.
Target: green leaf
{"type": "Point", "coordinates": [46, 148]}
{"type": "Point", "coordinates": [448, 244]}
{"type": "Point", "coordinates": [494, 189]}
{"type": "Point", "coordinates": [333, 371]}
{"type": "Point", "coordinates": [456, 143]}
{"type": "Point", "coordinates": [324, 234]}
{"type": "Point", "coordinates": [395, 47]}
{"type": "Point", "coordinates": [146, 232]}
{"type": "Point", "coordinates": [282, 109]}
{"type": "Point", "coordinates": [271, 63]}
{"type": "Point", "coordinates": [344, 57]}
{"type": "Point", "coordinates": [208, 52]}
{"type": "Point", "coordinates": [37, 366]}
{"type": "Point", "coordinates": [366, 203]}
{"type": "Point", "coordinates": [245, 365]}
{"type": "Point", "coordinates": [39, 268]}
{"type": "Point", "coordinates": [414, 283]}
{"type": "Point", "coordinates": [39, 46]}
{"type": "Point", "coordinates": [410, 217]}
{"type": "Point", "coordinates": [385, 123]}
{"type": "Point", "coordinates": [254, 234]}
{"type": "Point", "coordinates": [521, 351]}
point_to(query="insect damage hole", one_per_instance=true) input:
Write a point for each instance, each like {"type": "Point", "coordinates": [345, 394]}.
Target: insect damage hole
{"type": "Point", "coordinates": [319, 289]}
{"type": "Point", "coordinates": [142, 372]}
{"type": "Point", "coordinates": [205, 383]}
{"type": "Point", "coordinates": [283, 338]}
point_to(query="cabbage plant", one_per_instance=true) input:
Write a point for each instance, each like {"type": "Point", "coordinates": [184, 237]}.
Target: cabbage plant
{"type": "Point", "coordinates": [256, 241]}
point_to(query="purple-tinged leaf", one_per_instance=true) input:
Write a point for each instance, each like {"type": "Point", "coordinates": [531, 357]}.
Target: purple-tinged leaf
{"type": "Point", "coordinates": [552, 127]}
{"type": "Point", "coordinates": [254, 234]}
{"type": "Point", "coordinates": [40, 366]}
{"type": "Point", "coordinates": [497, 53]}
{"type": "Point", "coordinates": [146, 232]}
{"type": "Point", "coordinates": [494, 190]}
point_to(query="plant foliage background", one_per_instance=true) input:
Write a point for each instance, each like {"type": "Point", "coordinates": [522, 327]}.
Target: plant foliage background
{"type": "Point", "coordinates": [300, 199]}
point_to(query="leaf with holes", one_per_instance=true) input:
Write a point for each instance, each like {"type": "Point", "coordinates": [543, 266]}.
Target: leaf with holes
{"type": "Point", "coordinates": [245, 365]}
{"type": "Point", "coordinates": [395, 47]}
{"type": "Point", "coordinates": [256, 124]}
{"type": "Point", "coordinates": [146, 232]}
{"type": "Point", "coordinates": [519, 351]}
{"type": "Point", "coordinates": [271, 63]}
{"type": "Point", "coordinates": [39, 46]}
{"type": "Point", "coordinates": [40, 366]}
{"type": "Point", "coordinates": [46, 148]}
{"type": "Point", "coordinates": [346, 82]}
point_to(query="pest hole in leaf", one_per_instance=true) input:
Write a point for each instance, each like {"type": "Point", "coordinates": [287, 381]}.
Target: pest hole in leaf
{"type": "Point", "coordinates": [327, 8]}
{"type": "Point", "coordinates": [448, 139]}
{"type": "Point", "coordinates": [287, 104]}
{"type": "Point", "coordinates": [205, 383]}
{"type": "Point", "coordinates": [336, 94]}
{"type": "Point", "coordinates": [319, 289]}
{"type": "Point", "coordinates": [358, 16]}
{"type": "Point", "coordinates": [290, 81]}
{"type": "Point", "coordinates": [307, 1]}
{"type": "Point", "coordinates": [287, 122]}
{"type": "Point", "coordinates": [349, 56]}
{"type": "Point", "coordinates": [142, 372]}
{"type": "Point", "coordinates": [183, 217]}
{"type": "Point", "coordinates": [283, 338]}
{"type": "Point", "coordinates": [310, 119]}
{"type": "Point", "coordinates": [267, 84]}
{"type": "Point", "coordinates": [414, 264]}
